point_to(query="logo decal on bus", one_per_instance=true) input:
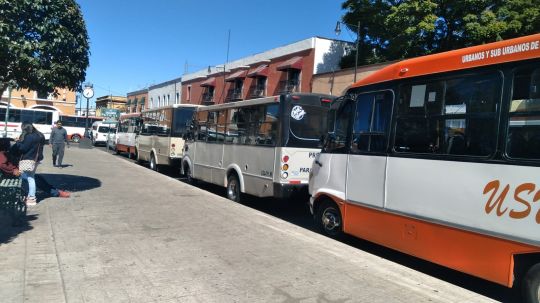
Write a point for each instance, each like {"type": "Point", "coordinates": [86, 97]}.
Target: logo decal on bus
{"type": "Point", "coordinates": [298, 113]}
{"type": "Point", "coordinates": [524, 195]}
{"type": "Point", "coordinates": [313, 155]}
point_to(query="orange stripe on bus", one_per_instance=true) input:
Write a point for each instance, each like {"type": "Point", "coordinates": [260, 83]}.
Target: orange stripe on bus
{"type": "Point", "coordinates": [480, 255]}
{"type": "Point", "coordinates": [522, 48]}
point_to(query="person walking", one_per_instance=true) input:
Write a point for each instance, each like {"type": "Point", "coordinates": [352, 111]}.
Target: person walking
{"type": "Point", "coordinates": [30, 147]}
{"type": "Point", "coordinates": [58, 137]}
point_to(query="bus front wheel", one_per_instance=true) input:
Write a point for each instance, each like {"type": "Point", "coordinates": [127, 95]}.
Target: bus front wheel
{"type": "Point", "coordinates": [75, 138]}
{"type": "Point", "coordinates": [233, 188]}
{"type": "Point", "coordinates": [328, 219]}
{"type": "Point", "coordinates": [153, 164]}
{"type": "Point", "coordinates": [531, 285]}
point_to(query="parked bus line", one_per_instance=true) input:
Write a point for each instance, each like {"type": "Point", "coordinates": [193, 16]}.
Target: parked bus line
{"type": "Point", "coordinates": [160, 140]}
{"type": "Point", "coordinates": [438, 157]}
{"type": "Point", "coordinates": [263, 147]}
{"type": "Point", "coordinates": [128, 127]}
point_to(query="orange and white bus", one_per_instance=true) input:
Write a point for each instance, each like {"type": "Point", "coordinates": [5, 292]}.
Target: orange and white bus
{"type": "Point", "coordinates": [438, 157]}
{"type": "Point", "coordinates": [126, 133]}
{"type": "Point", "coordinates": [75, 125]}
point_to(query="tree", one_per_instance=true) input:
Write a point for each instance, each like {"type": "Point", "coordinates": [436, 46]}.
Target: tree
{"type": "Point", "coordinates": [398, 29]}
{"type": "Point", "coordinates": [43, 45]}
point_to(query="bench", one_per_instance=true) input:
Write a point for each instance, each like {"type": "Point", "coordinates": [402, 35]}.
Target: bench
{"type": "Point", "coordinates": [12, 198]}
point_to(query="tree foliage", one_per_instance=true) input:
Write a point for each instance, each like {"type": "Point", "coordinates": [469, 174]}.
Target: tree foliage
{"type": "Point", "coordinates": [43, 45]}
{"type": "Point", "coordinates": [397, 29]}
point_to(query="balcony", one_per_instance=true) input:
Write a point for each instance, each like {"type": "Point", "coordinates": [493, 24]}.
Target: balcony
{"type": "Point", "coordinates": [208, 98]}
{"type": "Point", "coordinates": [234, 94]}
{"type": "Point", "coordinates": [288, 86]}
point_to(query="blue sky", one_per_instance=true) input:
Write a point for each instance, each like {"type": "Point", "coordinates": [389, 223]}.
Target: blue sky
{"type": "Point", "coordinates": [138, 43]}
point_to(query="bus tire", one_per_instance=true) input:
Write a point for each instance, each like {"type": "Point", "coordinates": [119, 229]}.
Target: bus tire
{"type": "Point", "coordinates": [153, 164]}
{"type": "Point", "coordinates": [233, 188]}
{"type": "Point", "coordinates": [76, 138]}
{"type": "Point", "coordinates": [531, 285]}
{"type": "Point", "coordinates": [189, 175]}
{"type": "Point", "coordinates": [329, 220]}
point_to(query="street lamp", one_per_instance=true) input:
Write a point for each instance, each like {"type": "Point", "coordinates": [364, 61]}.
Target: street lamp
{"type": "Point", "coordinates": [337, 30]}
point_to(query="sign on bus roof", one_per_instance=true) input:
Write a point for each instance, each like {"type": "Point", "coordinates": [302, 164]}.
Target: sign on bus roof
{"type": "Point", "coordinates": [522, 48]}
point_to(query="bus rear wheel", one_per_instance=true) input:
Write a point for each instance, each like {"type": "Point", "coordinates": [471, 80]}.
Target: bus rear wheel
{"type": "Point", "coordinates": [189, 175]}
{"type": "Point", "coordinates": [153, 164]}
{"type": "Point", "coordinates": [328, 219]}
{"type": "Point", "coordinates": [76, 138]}
{"type": "Point", "coordinates": [531, 285]}
{"type": "Point", "coordinates": [233, 188]}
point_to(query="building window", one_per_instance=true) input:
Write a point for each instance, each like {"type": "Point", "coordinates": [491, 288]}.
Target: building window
{"type": "Point", "coordinates": [188, 97]}
{"type": "Point", "coordinates": [177, 98]}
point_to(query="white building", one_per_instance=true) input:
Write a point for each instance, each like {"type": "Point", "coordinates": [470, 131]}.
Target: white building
{"type": "Point", "coordinates": [165, 93]}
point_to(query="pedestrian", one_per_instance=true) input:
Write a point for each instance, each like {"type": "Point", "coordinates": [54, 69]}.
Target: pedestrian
{"type": "Point", "coordinates": [9, 168]}
{"type": "Point", "coordinates": [58, 137]}
{"type": "Point", "coordinates": [30, 147]}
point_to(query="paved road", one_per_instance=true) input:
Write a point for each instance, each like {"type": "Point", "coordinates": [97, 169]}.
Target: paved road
{"type": "Point", "coordinates": [132, 235]}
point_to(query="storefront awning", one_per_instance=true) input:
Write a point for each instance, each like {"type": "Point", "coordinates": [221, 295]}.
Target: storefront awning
{"type": "Point", "coordinates": [209, 82]}
{"type": "Point", "coordinates": [293, 63]}
{"type": "Point", "coordinates": [259, 71]}
{"type": "Point", "coordinates": [236, 75]}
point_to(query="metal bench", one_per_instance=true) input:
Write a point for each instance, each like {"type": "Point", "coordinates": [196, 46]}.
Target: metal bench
{"type": "Point", "coordinates": [12, 198]}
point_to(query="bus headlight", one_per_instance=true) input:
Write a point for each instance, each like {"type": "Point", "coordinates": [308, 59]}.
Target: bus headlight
{"type": "Point", "coordinates": [284, 175]}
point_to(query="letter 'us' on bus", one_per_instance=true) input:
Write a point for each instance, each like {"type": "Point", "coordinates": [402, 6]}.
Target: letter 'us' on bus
{"type": "Point", "coordinates": [525, 196]}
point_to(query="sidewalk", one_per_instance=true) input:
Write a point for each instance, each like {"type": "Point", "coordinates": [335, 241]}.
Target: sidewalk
{"type": "Point", "coordinates": [129, 234]}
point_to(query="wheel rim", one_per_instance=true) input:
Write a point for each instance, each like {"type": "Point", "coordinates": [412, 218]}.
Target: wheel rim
{"type": "Point", "coordinates": [232, 189]}
{"type": "Point", "coordinates": [152, 163]}
{"type": "Point", "coordinates": [76, 139]}
{"type": "Point", "coordinates": [331, 220]}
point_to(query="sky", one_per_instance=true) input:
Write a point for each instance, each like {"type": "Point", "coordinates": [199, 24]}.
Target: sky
{"type": "Point", "coordinates": [136, 43]}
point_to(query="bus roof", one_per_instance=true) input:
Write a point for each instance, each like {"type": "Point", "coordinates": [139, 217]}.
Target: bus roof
{"type": "Point", "coordinates": [522, 48]}
{"type": "Point", "coordinates": [126, 116]}
{"type": "Point", "coordinates": [172, 106]}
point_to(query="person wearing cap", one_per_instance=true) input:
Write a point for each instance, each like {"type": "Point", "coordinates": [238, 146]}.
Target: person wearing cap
{"type": "Point", "coordinates": [58, 137]}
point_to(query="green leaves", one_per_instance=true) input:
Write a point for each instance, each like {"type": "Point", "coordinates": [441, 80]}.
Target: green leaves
{"type": "Point", "coordinates": [43, 44]}
{"type": "Point", "coordinates": [408, 28]}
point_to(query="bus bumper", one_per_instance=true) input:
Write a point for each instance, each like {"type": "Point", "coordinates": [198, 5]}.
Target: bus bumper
{"type": "Point", "coordinates": [288, 190]}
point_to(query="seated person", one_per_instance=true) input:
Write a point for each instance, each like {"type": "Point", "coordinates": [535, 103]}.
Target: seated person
{"type": "Point", "coordinates": [9, 169]}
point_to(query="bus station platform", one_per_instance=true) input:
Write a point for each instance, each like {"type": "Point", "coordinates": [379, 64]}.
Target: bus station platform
{"type": "Point", "coordinates": [129, 234]}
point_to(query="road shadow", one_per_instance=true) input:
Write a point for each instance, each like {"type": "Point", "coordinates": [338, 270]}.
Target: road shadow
{"type": "Point", "coordinates": [10, 229]}
{"type": "Point", "coordinates": [71, 183]}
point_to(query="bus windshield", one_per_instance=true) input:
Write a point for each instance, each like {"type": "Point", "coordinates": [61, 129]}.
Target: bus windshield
{"type": "Point", "coordinates": [307, 125]}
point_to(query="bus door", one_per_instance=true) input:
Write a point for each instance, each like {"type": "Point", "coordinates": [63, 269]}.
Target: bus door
{"type": "Point", "coordinates": [366, 169]}
{"type": "Point", "coordinates": [329, 168]}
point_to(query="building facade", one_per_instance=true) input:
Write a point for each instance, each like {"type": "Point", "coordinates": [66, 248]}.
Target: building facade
{"type": "Point", "coordinates": [109, 101]}
{"type": "Point", "coordinates": [285, 69]}
{"type": "Point", "coordinates": [137, 101]}
{"type": "Point", "coordinates": [337, 82]}
{"type": "Point", "coordinates": [166, 93]}
{"type": "Point", "coordinates": [64, 102]}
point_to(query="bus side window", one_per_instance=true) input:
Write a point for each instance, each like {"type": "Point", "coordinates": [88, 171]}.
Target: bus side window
{"type": "Point", "coordinates": [523, 136]}
{"type": "Point", "coordinates": [337, 140]}
{"type": "Point", "coordinates": [372, 120]}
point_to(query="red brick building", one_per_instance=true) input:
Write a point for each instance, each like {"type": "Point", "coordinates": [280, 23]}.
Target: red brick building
{"type": "Point", "coordinates": [137, 101]}
{"type": "Point", "coordinates": [285, 69]}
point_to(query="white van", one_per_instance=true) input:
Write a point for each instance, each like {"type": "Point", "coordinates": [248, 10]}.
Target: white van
{"type": "Point", "coordinates": [100, 131]}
